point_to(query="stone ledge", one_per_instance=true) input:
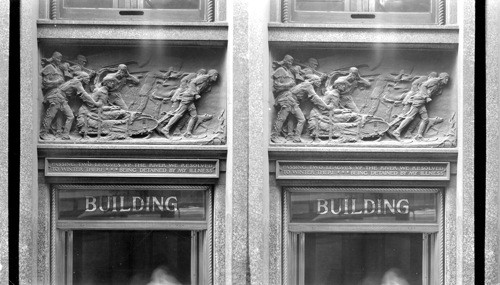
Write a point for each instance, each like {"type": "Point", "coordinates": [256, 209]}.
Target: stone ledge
{"type": "Point", "coordinates": [432, 36]}
{"type": "Point", "coordinates": [104, 30]}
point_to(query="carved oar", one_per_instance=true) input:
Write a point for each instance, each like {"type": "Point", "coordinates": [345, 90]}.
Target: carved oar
{"type": "Point", "coordinates": [99, 126]}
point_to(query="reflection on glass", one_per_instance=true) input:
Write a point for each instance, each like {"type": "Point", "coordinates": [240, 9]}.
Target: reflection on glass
{"type": "Point", "coordinates": [131, 257]}
{"type": "Point", "coordinates": [401, 6]}
{"type": "Point", "coordinates": [364, 259]}
{"type": "Point", "coordinates": [347, 207]}
{"type": "Point", "coordinates": [171, 4]}
{"type": "Point", "coordinates": [320, 5]}
{"type": "Point", "coordinates": [404, 6]}
{"type": "Point", "coordinates": [133, 4]}
{"type": "Point", "coordinates": [132, 205]}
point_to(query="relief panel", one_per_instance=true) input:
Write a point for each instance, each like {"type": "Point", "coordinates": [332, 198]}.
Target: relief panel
{"type": "Point", "coordinates": [152, 93]}
{"type": "Point", "coordinates": [363, 97]}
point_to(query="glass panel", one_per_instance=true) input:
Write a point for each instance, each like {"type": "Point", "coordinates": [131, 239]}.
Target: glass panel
{"type": "Point", "coordinates": [320, 5]}
{"type": "Point", "coordinates": [365, 259]}
{"type": "Point", "coordinates": [403, 6]}
{"type": "Point", "coordinates": [131, 257]}
{"type": "Point", "coordinates": [400, 6]}
{"type": "Point", "coordinates": [334, 207]}
{"type": "Point", "coordinates": [171, 4]}
{"type": "Point", "coordinates": [133, 4]}
{"type": "Point", "coordinates": [88, 3]}
{"type": "Point", "coordinates": [132, 205]}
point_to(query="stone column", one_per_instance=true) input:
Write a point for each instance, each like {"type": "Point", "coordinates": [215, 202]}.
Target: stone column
{"type": "Point", "coordinates": [465, 166]}
{"type": "Point", "coordinates": [28, 193]}
{"type": "Point", "coordinates": [4, 150]}
{"type": "Point", "coordinates": [247, 198]}
{"type": "Point", "coordinates": [492, 237]}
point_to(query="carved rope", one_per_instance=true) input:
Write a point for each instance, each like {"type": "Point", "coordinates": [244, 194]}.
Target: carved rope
{"type": "Point", "coordinates": [285, 11]}
{"type": "Point", "coordinates": [53, 9]}
{"type": "Point", "coordinates": [210, 10]}
{"type": "Point", "coordinates": [209, 236]}
{"type": "Point", "coordinates": [285, 239]}
{"type": "Point", "coordinates": [441, 12]}
{"type": "Point", "coordinates": [53, 237]}
{"type": "Point", "coordinates": [441, 238]}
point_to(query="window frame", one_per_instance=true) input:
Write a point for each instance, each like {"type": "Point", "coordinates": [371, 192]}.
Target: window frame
{"type": "Point", "coordinates": [62, 231]}
{"type": "Point", "coordinates": [202, 14]}
{"type": "Point", "coordinates": [294, 233]}
{"type": "Point", "coordinates": [435, 16]}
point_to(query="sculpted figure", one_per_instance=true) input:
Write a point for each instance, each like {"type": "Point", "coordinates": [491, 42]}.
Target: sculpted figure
{"type": "Point", "coordinates": [318, 118]}
{"type": "Point", "coordinates": [346, 86]}
{"type": "Point", "coordinates": [283, 76]}
{"type": "Point", "coordinates": [123, 77]}
{"type": "Point", "coordinates": [289, 103]}
{"type": "Point", "coordinates": [53, 72]}
{"type": "Point", "coordinates": [404, 99]}
{"type": "Point", "coordinates": [57, 101]}
{"type": "Point", "coordinates": [184, 101]}
{"type": "Point", "coordinates": [101, 117]}
{"type": "Point", "coordinates": [428, 89]}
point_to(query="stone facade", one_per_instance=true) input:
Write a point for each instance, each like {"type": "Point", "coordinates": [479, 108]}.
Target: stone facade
{"type": "Point", "coordinates": [230, 118]}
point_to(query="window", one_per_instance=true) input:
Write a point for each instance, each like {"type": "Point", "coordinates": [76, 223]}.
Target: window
{"type": "Point", "coordinates": [368, 11]}
{"type": "Point", "coordinates": [143, 10]}
{"type": "Point", "coordinates": [131, 234]}
{"type": "Point", "coordinates": [362, 235]}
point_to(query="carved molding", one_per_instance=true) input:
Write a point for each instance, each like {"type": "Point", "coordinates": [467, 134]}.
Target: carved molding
{"type": "Point", "coordinates": [210, 10]}
{"type": "Point", "coordinates": [285, 11]}
{"type": "Point", "coordinates": [442, 12]}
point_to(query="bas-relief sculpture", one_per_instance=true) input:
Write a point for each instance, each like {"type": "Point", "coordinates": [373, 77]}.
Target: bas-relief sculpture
{"type": "Point", "coordinates": [304, 96]}
{"type": "Point", "coordinates": [84, 105]}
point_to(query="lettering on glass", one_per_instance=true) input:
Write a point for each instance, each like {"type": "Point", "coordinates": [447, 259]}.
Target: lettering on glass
{"type": "Point", "coordinates": [328, 207]}
{"type": "Point", "coordinates": [132, 205]}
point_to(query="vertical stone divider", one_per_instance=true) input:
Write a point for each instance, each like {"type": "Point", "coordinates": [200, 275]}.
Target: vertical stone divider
{"type": "Point", "coordinates": [247, 196]}
{"type": "Point", "coordinates": [258, 191]}
{"type": "Point", "coordinates": [465, 164]}
{"type": "Point", "coordinates": [236, 200]}
{"type": "Point", "coordinates": [28, 186]}
{"type": "Point", "coordinates": [4, 150]}
{"type": "Point", "coordinates": [44, 232]}
{"type": "Point", "coordinates": [492, 220]}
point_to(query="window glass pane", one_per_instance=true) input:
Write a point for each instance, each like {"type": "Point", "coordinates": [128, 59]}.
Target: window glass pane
{"type": "Point", "coordinates": [400, 6]}
{"type": "Point", "coordinates": [131, 257]}
{"type": "Point", "coordinates": [88, 3]}
{"type": "Point", "coordinates": [320, 5]}
{"type": "Point", "coordinates": [132, 205]}
{"type": "Point", "coordinates": [350, 207]}
{"type": "Point", "coordinates": [364, 259]}
{"type": "Point", "coordinates": [405, 6]}
{"type": "Point", "coordinates": [133, 4]}
{"type": "Point", "coordinates": [171, 4]}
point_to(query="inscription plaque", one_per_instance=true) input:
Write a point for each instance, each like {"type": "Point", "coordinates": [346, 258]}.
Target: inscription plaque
{"type": "Point", "coordinates": [362, 170]}
{"type": "Point", "coordinates": [88, 167]}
